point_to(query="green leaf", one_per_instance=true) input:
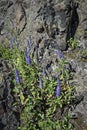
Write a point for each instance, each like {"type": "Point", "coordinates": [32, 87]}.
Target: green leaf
{"type": "Point", "coordinates": [21, 97]}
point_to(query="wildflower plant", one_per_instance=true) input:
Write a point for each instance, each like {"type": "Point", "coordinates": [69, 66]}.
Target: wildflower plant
{"type": "Point", "coordinates": [72, 43]}
{"type": "Point", "coordinates": [38, 96]}
{"type": "Point", "coordinates": [65, 76]}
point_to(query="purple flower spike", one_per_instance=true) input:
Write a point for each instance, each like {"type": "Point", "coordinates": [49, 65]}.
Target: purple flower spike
{"type": "Point", "coordinates": [17, 76]}
{"type": "Point", "coordinates": [58, 88]}
{"type": "Point", "coordinates": [28, 60]}
{"type": "Point", "coordinates": [59, 54]}
{"type": "Point", "coordinates": [28, 51]}
{"type": "Point", "coordinates": [40, 82]}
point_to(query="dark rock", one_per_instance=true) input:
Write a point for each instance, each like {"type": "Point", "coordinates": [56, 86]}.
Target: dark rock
{"type": "Point", "coordinates": [8, 118]}
{"type": "Point", "coordinates": [73, 21]}
{"type": "Point", "coordinates": [40, 30]}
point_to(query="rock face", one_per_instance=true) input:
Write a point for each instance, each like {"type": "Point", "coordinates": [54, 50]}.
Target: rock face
{"type": "Point", "coordinates": [8, 117]}
{"type": "Point", "coordinates": [50, 23]}
{"type": "Point", "coordinates": [80, 66]}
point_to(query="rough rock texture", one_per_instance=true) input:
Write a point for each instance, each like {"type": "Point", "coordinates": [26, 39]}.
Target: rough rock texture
{"type": "Point", "coordinates": [81, 31]}
{"type": "Point", "coordinates": [50, 23]}
{"type": "Point", "coordinates": [9, 119]}
{"type": "Point", "coordinates": [78, 60]}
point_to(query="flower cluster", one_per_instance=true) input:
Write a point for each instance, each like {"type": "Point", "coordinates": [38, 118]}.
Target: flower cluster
{"type": "Point", "coordinates": [28, 60]}
{"type": "Point", "coordinates": [58, 88]}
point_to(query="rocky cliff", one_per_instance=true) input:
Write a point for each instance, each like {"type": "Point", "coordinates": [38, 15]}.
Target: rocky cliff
{"type": "Point", "coordinates": [50, 24]}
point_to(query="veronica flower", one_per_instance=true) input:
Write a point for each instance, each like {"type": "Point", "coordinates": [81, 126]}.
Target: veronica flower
{"type": "Point", "coordinates": [59, 54]}
{"type": "Point", "coordinates": [28, 60]}
{"type": "Point", "coordinates": [17, 76]}
{"type": "Point", "coordinates": [28, 51]}
{"type": "Point", "coordinates": [58, 88]}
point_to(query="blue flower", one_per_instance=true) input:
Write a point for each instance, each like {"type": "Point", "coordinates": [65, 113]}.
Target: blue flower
{"type": "Point", "coordinates": [28, 60]}
{"type": "Point", "coordinates": [17, 76]}
{"type": "Point", "coordinates": [28, 48]}
{"type": "Point", "coordinates": [59, 54]}
{"type": "Point", "coordinates": [58, 88]}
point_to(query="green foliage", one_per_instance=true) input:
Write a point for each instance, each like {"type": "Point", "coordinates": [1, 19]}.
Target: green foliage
{"type": "Point", "coordinates": [73, 43]}
{"type": "Point", "coordinates": [5, 52]}
{"type": "Point", "coordinates": [38, 105]}
{"type": "Point", "coordinates": [85, 32]}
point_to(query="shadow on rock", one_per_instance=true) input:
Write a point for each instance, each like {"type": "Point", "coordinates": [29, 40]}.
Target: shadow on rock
{"type": "Point", "coordinates": [73, 22]}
